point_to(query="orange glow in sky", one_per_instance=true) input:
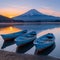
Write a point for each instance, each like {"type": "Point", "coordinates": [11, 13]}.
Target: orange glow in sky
{"type": "Point", "coordinates": [11, 8]}
{"type": "Point", "coordinates": [12, 12]}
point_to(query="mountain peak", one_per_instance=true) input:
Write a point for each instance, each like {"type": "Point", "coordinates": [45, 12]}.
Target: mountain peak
{"type": "Point", "coordinates": [35, 15]}
{"type": "Point", "coordinates": [32, 12]}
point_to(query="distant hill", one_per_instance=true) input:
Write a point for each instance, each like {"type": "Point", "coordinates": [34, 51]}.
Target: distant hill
{"type": "Point", "coordinates": [5, 19]}
{"type": "Point", "coordinates": [34, 15]}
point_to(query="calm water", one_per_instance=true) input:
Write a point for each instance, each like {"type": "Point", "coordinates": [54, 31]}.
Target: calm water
{"type": "Point", "coordinates": [53, 50]}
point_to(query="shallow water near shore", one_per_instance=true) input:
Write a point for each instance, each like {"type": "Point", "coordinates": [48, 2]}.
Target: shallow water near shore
{"type": "Point", "coordinates": [30, 48]}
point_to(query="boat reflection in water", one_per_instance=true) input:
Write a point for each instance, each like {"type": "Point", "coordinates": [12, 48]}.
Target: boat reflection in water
{"type": "Point", "coordinates": [25, 48]}
{"type": "Point", "coordinates": [7, 43]}
{"type": "Point", "coordinates": [19, 49]}
{"type": "Point", "coordinates": [46, 51]}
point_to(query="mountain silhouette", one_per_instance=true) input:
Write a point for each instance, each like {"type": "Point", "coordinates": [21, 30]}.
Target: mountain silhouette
{"type": "Point", "coordinates": [5, 19]}
{"type": "Point", "coordinates": [34, 15]}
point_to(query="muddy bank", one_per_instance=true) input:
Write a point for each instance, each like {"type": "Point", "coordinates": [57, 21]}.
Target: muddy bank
{"type": "Point", "coordinates": [4, 55]}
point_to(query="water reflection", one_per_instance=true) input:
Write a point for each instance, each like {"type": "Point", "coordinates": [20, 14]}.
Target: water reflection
{"type": "Point", "coordinates": [8, 30]}
{"type": "Point", "coordinates": [29, 49]}
{"type": "Point", "coordinates": [7, 43]}
{"type": "Point", "coordinates": [46, 51]}
{"type": "Point", "coordinates": [54, 31]}
{"type": "Point", "coordinates": [26, 47]}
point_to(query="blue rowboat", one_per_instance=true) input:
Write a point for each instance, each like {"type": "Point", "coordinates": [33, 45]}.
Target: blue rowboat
{"type": "Point", "coordinates": [44, 41]}
{"type": "Point", "coordinates": [22, 40]}
{"type": "Point", "coordinates": [13, 35]}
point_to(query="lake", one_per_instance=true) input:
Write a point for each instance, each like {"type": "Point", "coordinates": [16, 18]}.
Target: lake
{"type": "Point", "coordinates": [30, 48]}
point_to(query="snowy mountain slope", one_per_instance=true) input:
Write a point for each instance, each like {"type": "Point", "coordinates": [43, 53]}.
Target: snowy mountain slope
{"type": "Point", "coordinates": [34, 15]}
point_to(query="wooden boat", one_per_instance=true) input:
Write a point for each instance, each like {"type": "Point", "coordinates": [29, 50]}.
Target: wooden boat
{"type": "Point", "coordinates": [13, 35]}
{"type": "Point", "coordinates": [44, 41]}
{"type": "Point", "coordinates": [46, 51]}
{"type": "Point", "coordinates": [22, 40]}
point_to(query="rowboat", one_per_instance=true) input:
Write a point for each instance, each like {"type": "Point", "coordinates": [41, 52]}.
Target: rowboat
{"type": "Point", "coordinates": [46, 51]}
{"type": "Point", "coordinates": [12, 36]}
{"type": "Point", "coordinates": [44, 41]}
{"type": "Point", "coordinates": [22, 40]}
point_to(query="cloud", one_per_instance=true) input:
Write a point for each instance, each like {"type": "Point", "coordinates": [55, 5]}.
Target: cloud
{"type": "Point", "coordinates": [49, 12]}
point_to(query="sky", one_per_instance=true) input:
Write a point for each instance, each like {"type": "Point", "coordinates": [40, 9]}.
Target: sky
{"type": "Point", "coordinates": [11, 8]}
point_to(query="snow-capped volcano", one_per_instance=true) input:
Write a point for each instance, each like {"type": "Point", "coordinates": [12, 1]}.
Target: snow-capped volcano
{"type": "Point", "coordinates": [32, 12]}
{"type": "Point", "coordinates": [34, 15]}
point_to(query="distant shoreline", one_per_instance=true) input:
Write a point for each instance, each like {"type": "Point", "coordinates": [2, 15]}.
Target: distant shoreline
{"type": "Point", "coordinates": [22, 23]}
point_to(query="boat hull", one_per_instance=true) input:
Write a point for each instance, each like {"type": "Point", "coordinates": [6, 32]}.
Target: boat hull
{"type": "Point", "coordinates": [29, 37]}
{"type": "Point", "coordinates": [44, 41]}
{"type": "Point", "coordinates": [22, 43]}
{"type": "Point", "coordinates": [12, 36]}
{"type": "Point", "coordinates": [46, 51]}
{"type": "Point", "coordinates": [43, 46]}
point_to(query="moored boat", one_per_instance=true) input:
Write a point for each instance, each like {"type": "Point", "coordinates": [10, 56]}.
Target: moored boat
{"type": "Point", "coordinates": [44, 41]}
{"type": "Point", "coordinates": [13, 35]}
{"type": "Point", "coordinates": [22, 40]}
{"type": "Point", "coordinates": [46, 51]}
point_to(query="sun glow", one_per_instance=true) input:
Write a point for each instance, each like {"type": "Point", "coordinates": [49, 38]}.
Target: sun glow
{"type": "Point", "coordinates": [11, 12]}
{"type": "Point", "coordinates": [9, 30]}
{"type": "Point", "coordinates": [11, 16]}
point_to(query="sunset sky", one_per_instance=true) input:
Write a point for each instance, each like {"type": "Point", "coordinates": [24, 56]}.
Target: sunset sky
{"type": "Point", "coordinates": [11, 8]}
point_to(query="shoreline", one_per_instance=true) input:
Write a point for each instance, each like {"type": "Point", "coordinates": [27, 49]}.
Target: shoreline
{"type": "Point", "coordinates": [5, 55]}
{"type": "Point", "coordinates": [28, 56]}
{"type": "Point", "coordinates": [22, 23]}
